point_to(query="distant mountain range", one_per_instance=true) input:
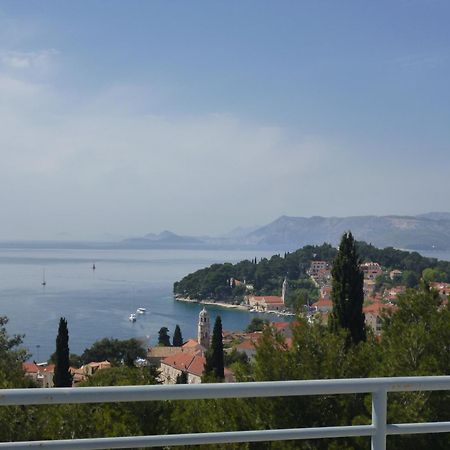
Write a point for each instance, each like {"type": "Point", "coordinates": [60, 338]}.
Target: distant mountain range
{"type": "Point", "coordinates": [429, 231]}
{"type": "Point", "coordinates": [422, 232]}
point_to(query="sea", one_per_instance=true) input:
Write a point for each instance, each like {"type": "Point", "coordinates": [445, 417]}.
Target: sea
{"type": "Point", "coordinates": [97, 303]}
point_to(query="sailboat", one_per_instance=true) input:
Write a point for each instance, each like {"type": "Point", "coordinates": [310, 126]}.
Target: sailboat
{"type": "Point", "coordinates": [43, 278]}
{"type": "Point", "coordinates": [93, 266]}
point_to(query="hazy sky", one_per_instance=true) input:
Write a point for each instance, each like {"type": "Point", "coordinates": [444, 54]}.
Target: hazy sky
{"type": "Point", "coordinates": [119, 118]}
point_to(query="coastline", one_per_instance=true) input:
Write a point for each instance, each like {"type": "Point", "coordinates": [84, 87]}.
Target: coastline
{"type": "Point", "coordinates": [213, 303]}
{"type": "Point", "coordinates": [230, 306]}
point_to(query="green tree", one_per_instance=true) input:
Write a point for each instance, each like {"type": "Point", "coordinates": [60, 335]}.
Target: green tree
{"type": "Point", "coordinates": [410, 279]}
{"type": "Point", "coordinates": [214, 366]}
{"type": "Point", "coordinates": [11, 358]}
{"type": "Point", "coordinates": [416, 343]}
{"type": "Point", "coordinates": [163, 337]}
{"type": "Point", "coordinates": [106, 419]}
{"type": "Point", "coordinates": [182, 378]}
{"type": "Point", "coordinates": [347, 291]}
{"type": "Point", "coordinates": [62, 376]}
{"type": "Point", "coordinates": [114, 350]}
{"type": "Point", "coordinates": [257, 324]}
{"type": "Point", "coordinates": [177, 340]}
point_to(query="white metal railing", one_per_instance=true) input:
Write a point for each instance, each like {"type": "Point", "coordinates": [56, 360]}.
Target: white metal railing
{"type": "Point", "coordinates": [378, 430]}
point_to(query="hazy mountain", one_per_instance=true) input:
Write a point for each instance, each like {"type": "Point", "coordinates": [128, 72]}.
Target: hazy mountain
{"type": "Point", "coordinates": [426, 231]}
{"type": "Point", "coordinates": [166, 239]}
{"type": "Point", "coordinates": [239, 232]}
{"type": "Point", "coordinates": [430, 231]}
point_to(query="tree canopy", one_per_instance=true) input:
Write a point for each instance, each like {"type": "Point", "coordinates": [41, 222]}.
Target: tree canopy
{"type": "Point", "coordinates": [114, 350]}
{"type": "Point", "coordinates": [163, 337]}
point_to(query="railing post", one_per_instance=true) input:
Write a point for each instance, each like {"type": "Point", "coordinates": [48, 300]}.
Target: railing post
{"type": "Point", "coordinates": [379, 417]}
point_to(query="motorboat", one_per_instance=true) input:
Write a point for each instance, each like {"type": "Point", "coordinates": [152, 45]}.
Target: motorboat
{"type": "Point", "coordinates": [132, 317]}
{"type": "Point", "coordinates": [141, 310]}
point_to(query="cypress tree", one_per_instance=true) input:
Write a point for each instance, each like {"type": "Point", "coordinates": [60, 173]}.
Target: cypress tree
{"type": "Point", "coordinates": [177, 340]}
{"type": "Point", "coordinates": [182, 378]}
{"type": "Point", "coordinates": [214, 357]}
{"type": "Point", "coordinates": [62, 376]}
{"type": "Point", "coordinates": [347, 291]}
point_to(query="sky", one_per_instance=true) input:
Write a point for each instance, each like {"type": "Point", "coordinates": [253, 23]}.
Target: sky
{"type": "Point", "coordinates": [119, 119]}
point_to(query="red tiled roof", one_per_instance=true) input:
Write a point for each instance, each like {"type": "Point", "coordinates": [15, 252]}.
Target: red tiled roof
{"type": "Point", "coordinates": [280, 325]}
{"type": "Point", "coordinates": [377, 308]}
{"type": "Point", "coordinates": [323, 302]}
{"type": "Point", "coordinates": [186, 362]}
{"type": "Point", "coordinates": [273, 299]}
{"type": "Point", "coordinates": [255, 336]}
{"type": "Point", "coordinates": [30, 367]}
{"type": "Point", "coordinates": [180, 361]}
{"type": "Point", "coordinates": [190, 343]}
{"type": "Point", "coordinates": [197, 365]}
{"type": "Point", "coordinates": [50, 368]}
{"type": "Point", "coordinates": [246, 345]}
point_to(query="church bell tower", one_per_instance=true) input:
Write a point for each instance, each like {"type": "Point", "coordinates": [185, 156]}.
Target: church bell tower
{"type": "Point", "coordinates": [204, 333]}
{"type": "Point", "coordinates": [284, 289]}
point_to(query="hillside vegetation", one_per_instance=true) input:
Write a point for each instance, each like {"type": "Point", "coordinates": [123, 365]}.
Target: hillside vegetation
{"type": "Point", "coordinates": [267, 275]}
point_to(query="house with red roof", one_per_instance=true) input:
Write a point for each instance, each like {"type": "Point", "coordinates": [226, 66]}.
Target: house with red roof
{"type": "Point", "coordinates": [323, 305]}
{"type": "Point", "coordinates": [41, 374]}
{"type": "Point", "coordinates": [442, 288]}
{"type": "Point", "coordinates": [191, 364]}
{"type": "Point", "coordinates": [371, 270]}
{"type": "Point", "coordinates": [266, 303]}
{"type": "Point", "coordinates": [284, 328]}
{"type": "Point", "coordinates": [248, 347]}
{"type": "Point", "coordinates": [392, 293]}
{"type": "Point", "coordinates": [373, 315]}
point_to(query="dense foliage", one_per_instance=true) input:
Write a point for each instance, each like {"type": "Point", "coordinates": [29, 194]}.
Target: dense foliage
{"type": "Point", "coordinates": [115, 351]}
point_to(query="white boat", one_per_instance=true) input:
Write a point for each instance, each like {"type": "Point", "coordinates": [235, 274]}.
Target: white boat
{"type": "Point", "coordinates": [132, 317]}
{"type": "Point", "coordinates": [141, 310]}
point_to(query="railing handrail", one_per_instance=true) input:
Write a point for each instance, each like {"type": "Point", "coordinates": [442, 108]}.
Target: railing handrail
{"type": "Point", "coordinates": [111, 394]}
{"type": "Point", "coordinates": [378, 387]}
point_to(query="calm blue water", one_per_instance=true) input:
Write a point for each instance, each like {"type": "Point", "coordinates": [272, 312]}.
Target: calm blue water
{"type": "Point", "coordinates": [97, 303]}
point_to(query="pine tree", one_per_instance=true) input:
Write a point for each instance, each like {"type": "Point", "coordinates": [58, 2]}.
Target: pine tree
{"type": "Point", "coordinates": [177, 340]}
{"type": "Point", "coordinates": [62, 376]}
{"type": "Point", "coordinates": [214, 357]}
{"type": "Point", "coordinates": [347, 291]}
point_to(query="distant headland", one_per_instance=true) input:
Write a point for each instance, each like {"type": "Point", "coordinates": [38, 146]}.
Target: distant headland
{"type": "Point", "coordinates": [430, 231]}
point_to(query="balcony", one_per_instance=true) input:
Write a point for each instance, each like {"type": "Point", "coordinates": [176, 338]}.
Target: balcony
{"type": "Point", "coordinates": [377, 430]}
